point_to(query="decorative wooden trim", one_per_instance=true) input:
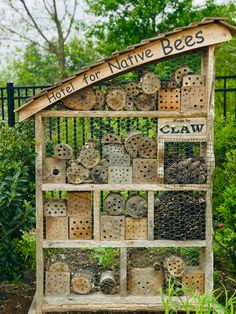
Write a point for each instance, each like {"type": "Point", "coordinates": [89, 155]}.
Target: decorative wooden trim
{"type": "Point", "coordinates": [171, 44]}
{"type": "Point", "coordinates": [124, 187]}
{"type": "Point", "coordinates": [39, 148]}
{"type": "Point", "coordinates": [124, 244]}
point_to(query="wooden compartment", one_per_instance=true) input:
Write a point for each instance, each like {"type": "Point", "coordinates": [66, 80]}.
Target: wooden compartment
{"type": "Point", "coordinates": [145, 281]}
{"type": "Point", "coordinates": [54, 170]}
{"type": "Point", "coordinates": [56, 228]}
{"type": "Point", "coordinates": [135, 228]}
{"type": "Point", "coordinates": [57, 283]}
{"type": "Point", "coordinates": [193, 281]}
{"type": "Point", "coordinates": [112, 228]}
{"type": "Point", "coordinates": [144, 171]}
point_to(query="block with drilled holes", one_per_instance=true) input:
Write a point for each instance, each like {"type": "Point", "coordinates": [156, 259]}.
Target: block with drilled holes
{"type": "Point", "coordinates": [55, 207]}
{"type": "Point", "coordinates": [79, 203]}
{"type": "Point", "coordinates": [54, 170]}
{"type": "Point", "coordinates": [169, 99]}
{"type": "Point", "coordinates": [145, 281]}
{"type": "Point", "coordinates": [56, 228]}
{"type": "Point", "coordinates": [193, 281]}
{"type": "Point", "coordinates": [119, 175]}
{"type": "Point", "coordinates": [110, 149]}
{"type": "Point", "coordinates": [144, 171]}
{"type": "Point", "coordinates": [57, 283]}
{"type": "Point", "coordinates": [193, 98]}
{"type": "Point", "coordinates": [119, 160]}
{"type": "Point", "coordinates": [80, 227]}
{"type": "Point", "coordinates": [135, 228]}
{"type": "Point", "coordinates": [112, 228]}
{"type": "Point", "coordinates": [194, 80]}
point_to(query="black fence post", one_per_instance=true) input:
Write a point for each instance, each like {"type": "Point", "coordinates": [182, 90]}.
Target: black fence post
{"type": "Point", "coordinates": [10, 104]}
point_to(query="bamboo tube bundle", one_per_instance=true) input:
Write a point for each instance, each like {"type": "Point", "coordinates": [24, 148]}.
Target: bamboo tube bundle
{"type": "Point", "coordinates": [83, 281]}
{"type": "Point", "coordinates": [108, 283]}
{"type": "Point", "coordinates": [179, 216]}
{"type": "Point", "coordinates": [188, 171]}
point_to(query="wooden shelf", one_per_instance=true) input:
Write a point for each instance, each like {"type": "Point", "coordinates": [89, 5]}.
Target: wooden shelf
{"type": "Point", "coordinates": [125, 243]}
{"type": "Point", "coordinates": [122, 114]}
{"type": "Point", "coordinates": [124, 187]}
{"type": "Point", "coordinates": [98, 301]}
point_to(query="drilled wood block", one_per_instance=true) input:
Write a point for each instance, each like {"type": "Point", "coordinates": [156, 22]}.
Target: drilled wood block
{"type": "Point", "coordinates": [63, 151]}
{"type": "Point", "coordinates": [80, 227]}
{"type": "Point", "coordinates": [55, 208]}
{"type": "Point", "coordinates": [193, 98]}
{"type": "Point", "coordinates": [135, 228]}
{"type": "Point", "coordinates": [144, 171]}
{"type": "Point", "coordinates": [119, 160]}
{"type": "Point", "coordinates": [112, 228]}
{"type": "Point", "coordinates": [145, 281]}
{"type": "Point", "coordinates": [194, 80]}
{"type": "Point", "coordinates": [54, 170]}
{"type": "Point", "coordinates": [169, 99]}
{"type": "Point", "coordinates": [79, 203]}
{"type": "Point", "coordinates": [57, 283]}
{"type": "Point", "coordinates": [56, 228]}
{"type": "Point", "coordinates": [113, 149]}
{"type": "Point", "coordinates": [193, 281]}
{"type": "Point", "coordinates": [119, 175]}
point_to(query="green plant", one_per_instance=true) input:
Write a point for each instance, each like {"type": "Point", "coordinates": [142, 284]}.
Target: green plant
{"type": "Point", "coordinates": [16, 193]}
{"type": "Point", "coordinates": [26, 248]}
{"type": "Point", "coordinates": [106, 257]}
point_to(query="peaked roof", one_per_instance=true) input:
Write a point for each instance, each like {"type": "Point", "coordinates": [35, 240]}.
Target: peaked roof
{"type": "Point", "coordinates": [195, 36]}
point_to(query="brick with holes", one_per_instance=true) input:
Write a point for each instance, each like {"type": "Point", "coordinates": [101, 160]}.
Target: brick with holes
{"type": "Point", "coordinates": [144, 171]}
{"type": "Point", "coordinates": [169, 99]}
{"type": "Point", "coordinates": [119, 175]}
{"type": "Point", "coordinates": [57, 283]}
{"type": "Point", "coordinates": [80, 227]}
{"type": "Point", "coordinates": [112, 228]}
{"type": "Point", "coordinates": [54, 170]}
{"type": "Point", "coordinates": [135, 228]}
{"type": "Point", "coordinates": [193, 281]}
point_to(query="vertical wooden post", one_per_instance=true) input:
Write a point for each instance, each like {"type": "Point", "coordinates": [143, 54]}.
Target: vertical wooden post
{"type": "Point", "coordinates": [150, 215]}
{"type": "Point", "coordinates": [208, 69]}
{"type": "Point", "coordinates": [160, 160]}
{"type": "Point", "coordinates": [39, 147]}
{"type": "Point", "coordinates": [123, 271]}
{"type": "Point", "coordinates": [96, 215]}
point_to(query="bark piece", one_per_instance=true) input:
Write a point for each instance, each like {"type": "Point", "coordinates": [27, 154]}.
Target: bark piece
{"type": "Point", "coordinates": [136, 206]}
{"type": "Point", "coordinates": [108, 283]}
{"type": "Point", "coordinates": [84, 99]}
{"type": "Point", "coordinates": [150, 83]}
{"type": "Point", "coordinates": [144, 102]}
{"type": "Point", "coordinates": [83, 282]}
{"type": "Point", "coordinates": [116, 99]}
{"type": "Point", "coordinates": [114, 204]}
{"type": "Point", "coordinates": [89, 157]}
{"type": "Point", "coordinates": [63, 151]}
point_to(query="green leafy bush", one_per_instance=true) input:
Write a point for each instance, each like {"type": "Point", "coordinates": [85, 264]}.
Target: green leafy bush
{"type": "Point", "coordinates": [17, 177]}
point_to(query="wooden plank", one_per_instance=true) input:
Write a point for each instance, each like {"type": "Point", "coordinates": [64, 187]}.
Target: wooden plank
{"type": "Point", "coordinates": [121, 114]}
{"type": "Point", "coordinates": [96, 213]}
{"type": "Point", "coordinates": [161, 49]}
{"type": "Point", "coordinates": [123, 271]}
{"type": "Point", "coordinates": [40, 153]}
{"type": "Point", "coordinates": [150, 215]}
{"type": "Point", "coordinates": [127, 243]}
{"type": "Point", "coordinates": [124, 187]}
{"type": "Point", "coordinates": [32, 309]}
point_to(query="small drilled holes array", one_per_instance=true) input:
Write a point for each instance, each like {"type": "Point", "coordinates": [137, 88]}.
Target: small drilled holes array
{"type": "Point", "coordinates": [80, 228]}
{"type": "Point", "coordinates": [194, 80]}
{"type": "Point", "coordinates": [193, 281]}
{"type": "Point", "coordinates": [55, 208]}
{"type": "Point", "coordinates": [112, 228]}
{"type": "Point", "coordinates": [135, 228]}
{"type": "Point", "coordinates": [169, 99]}
{"type": "Point", "coordinates": [148, 147]}
{"type": "Point", "coordinates": [175, 268]}
{"type": "Point", "coordinates": [79, 203]}
{"type": "Point", "coordinates": [119, 160]}
{"type": "Point", "coordinates": [119, 175]}
{"type": "Point", "coordinates": [63, 151]}
{"type": "Point", "coordinates": [113, 149]}
{"type": "Point", "coordinates": [114, 204]}
{"type": "Point", "coordinates": [144, 171]}
{"type": "Point", "coordinates": [193, 98]}
{"type": "Point", "coordinates": [54, 170]}
{"type": "Point", "coordinates": [57, 283]}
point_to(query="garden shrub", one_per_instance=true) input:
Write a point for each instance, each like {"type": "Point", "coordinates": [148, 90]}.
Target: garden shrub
{"type": "Point", "coordinates": [17, 185]}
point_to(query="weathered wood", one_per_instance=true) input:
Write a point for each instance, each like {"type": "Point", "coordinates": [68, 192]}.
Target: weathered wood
{"type": "Point", "coordinates": [63, 151]}
{"type": "Point", "coordinates": [116, 99]}
{"type": "Point", "coordinates": [113, 149]}
{"type": "Point", "coordinates": [58, 266]}
{"type": "Point", "coordinates": [111, 138]}
{"type": "Point", "coordinates": [114, 204]}
{"type": "Point", "coordinates": [193, 98]}
{"type": "Point", "coordinates": [76, 173]}
{"type": "Point", "coordinates": [108, 283]}
{"type": "Point", "coordinates": [144, 171]}
{"type": "Point", "coordinates": [89, 157]}
{"type": "Point", "coordinates": [81, 100]}
{"type": "Point", "coordinates": [96, 215]}
{"type": "Point", "coordinates": [123, 271]}
{"type": "Point", "coordinates": [119, 174]}
{"type": "Point", "coordinates": [174, 265]}
{"type": "Point", "coordinates": [193, 281]}
{"type": "Point", "coordinates": [56, 228]}
{"type": "Point", "coordinates": [144, 102]}
{"type": "Point", "coordinates": [132, 89]}
{"type": "Point", "coordinates": [78, 203]}
{"type": "Point", "coordinates": [150, 83]}
{"type": "Point", "coordinates": [139, 257]}
{"type": "Point", "coordinates": [57, 283]}
{"type": "Point", "coordinates": [83, 282]}
{"type": "Point", "coordinates": [147, 147]}
{"type": "Point", "coordinates": [80, 228]}
{"type": "Point", "coordinates": [99, 173]}
{"type": "Point", "coordinates": [136, 206]}
{"type": "Point", "coordinates": [169, 99]}
{"type": "Point", "coordinates": [55, 207]}
{"type": "Point", "coordinates": [180, 72]}
{"type": "Point", "coordinates": [112, 228]}
{"type": "Point", "coordinates": [145, 281]}
{"type": "Point", "coordinates": [194, 80]}
{"type": "Point", "coordinates": [54, 170]}
{"type": "Point", "coordinates": [136, 228]}
{"type": "Point", "coordinates": [150, 216]}
{"type": "Point", "coordinates": [100, 100]}
{"type": "Point", "coordinates": [119, 160]}
{"type": "Point", "coordinates": [132, 142]}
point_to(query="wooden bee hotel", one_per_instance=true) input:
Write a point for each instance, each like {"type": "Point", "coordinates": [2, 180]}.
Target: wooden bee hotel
{"type": "Point", "coordinates": [124, 167]}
